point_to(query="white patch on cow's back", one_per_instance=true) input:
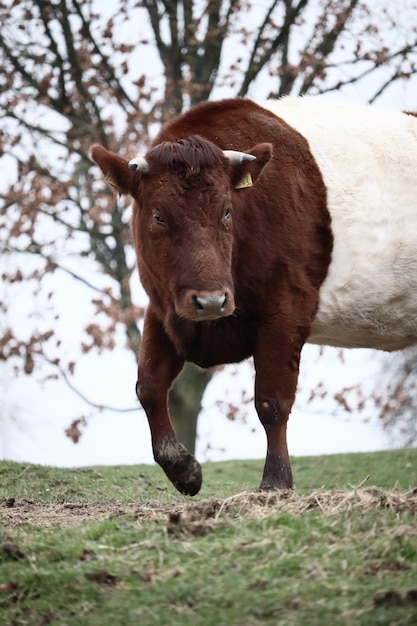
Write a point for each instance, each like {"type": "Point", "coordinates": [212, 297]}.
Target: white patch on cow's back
{"type": "Point", "coordinates": [368, 160]}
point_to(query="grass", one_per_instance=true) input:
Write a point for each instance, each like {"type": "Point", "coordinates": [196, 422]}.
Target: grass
{"type": "Point", "coordinates": [396, 468]}
{"type": "Point", "coordinates": [114, 546]}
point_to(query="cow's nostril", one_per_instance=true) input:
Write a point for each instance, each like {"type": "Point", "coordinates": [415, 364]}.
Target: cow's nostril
{"type": "Point", "coordinates": [196, 303]}
{"type": "Point", "coordinates": [225, 301]}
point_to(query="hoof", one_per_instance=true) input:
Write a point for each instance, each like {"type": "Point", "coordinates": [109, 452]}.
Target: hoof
{"type": "Point", "coordinates": [180, 466]}
{"type": "Point", "coordinates": [268, 486]}
{"type": "Point", "coordinates": [277, 474]}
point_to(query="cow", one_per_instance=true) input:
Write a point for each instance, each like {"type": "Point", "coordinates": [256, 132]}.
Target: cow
{"type": "Point", "coordinates": [259, 227]}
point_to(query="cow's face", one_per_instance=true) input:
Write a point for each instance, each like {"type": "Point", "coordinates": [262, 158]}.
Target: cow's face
{"type": "Point", "coordinates": [183, 221]}
{"type": "Point", "coordinates": [183, 227]}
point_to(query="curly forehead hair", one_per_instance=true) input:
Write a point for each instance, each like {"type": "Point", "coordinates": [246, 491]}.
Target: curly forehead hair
{"type": "Point", "coordinates": [193, 153]}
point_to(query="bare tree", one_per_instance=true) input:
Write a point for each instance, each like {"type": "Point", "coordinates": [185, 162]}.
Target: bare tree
{"type": "Point", "coordinates": [396, 398]}
{"type": "Point", "coordinates": [73, 73]}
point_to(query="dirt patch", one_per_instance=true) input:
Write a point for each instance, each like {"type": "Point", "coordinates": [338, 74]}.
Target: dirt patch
{"type": "Point", "coordinates": [73, 514]}
{"type": "Point", "coordinates": [199, 516]}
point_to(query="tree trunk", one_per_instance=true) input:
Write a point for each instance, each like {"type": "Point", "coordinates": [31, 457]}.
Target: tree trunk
{"type": "Point", "coordinates": [185, 399]}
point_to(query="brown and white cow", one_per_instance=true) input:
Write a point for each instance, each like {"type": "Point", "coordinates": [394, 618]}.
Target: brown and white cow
{"type": "Point", "coordinates": [258, 228]}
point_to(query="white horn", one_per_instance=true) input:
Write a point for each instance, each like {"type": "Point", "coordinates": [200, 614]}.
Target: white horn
{"type": "Point", "coordinates": [238, 157]}
{"type": "Point", "coordinates": [138, 164]}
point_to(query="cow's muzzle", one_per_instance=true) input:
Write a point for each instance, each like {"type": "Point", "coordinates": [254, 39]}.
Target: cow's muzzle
{"type": "Point", "coordinates": [200, 306]}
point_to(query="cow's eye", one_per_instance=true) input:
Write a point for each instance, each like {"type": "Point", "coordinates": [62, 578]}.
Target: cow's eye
{"type": "Point", "coordinates": [226, 216]}
{"type": "Point", "coordinates": [158, 219]}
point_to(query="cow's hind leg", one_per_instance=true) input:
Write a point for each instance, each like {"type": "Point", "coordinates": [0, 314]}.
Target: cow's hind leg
{"type": "Point", "coordinates": [159, 364]}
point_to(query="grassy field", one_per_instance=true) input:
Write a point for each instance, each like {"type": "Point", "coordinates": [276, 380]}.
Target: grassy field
{"type": "Point", "coordinates": [114, 546]}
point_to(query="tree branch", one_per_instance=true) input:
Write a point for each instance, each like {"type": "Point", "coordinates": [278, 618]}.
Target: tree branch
{"type": "Point", "coordinates": [35, 249]}
{"type": "Point", "coordinates": [374, 64]}
{"type": "Point", "coordinates": [263, 55]}
{"type": "Point", "coordinates": [108, 70]}
{"type": "Point", "coordinates": [83, 397]}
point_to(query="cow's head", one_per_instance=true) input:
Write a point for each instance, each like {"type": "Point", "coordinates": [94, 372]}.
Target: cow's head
{"type": "Point", "coordinates": [184, 202]}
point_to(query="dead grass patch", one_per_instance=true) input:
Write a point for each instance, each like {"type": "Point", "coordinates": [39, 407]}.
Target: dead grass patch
{"type": "Point", "coordinates": [253, 504]}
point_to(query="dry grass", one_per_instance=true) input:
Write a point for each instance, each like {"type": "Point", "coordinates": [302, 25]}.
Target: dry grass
{"type": "Point", "coordinates": [252, 504]}
{"type": "Point", "coordinates": [328, 502]}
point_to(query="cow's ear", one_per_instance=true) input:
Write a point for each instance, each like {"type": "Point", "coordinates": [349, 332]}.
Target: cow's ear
{"type": "Point", "coordinates": [115, 169]}
{"type": "Point", "coordinates": [245, 174]}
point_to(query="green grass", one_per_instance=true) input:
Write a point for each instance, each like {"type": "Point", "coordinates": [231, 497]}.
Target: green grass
{"type": "Point", "coordinates": [125, 483]}
{"type": "Point", "coordinates": [238, 566]}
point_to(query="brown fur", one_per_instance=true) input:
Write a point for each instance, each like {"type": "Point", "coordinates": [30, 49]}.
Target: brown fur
{"type": "Point", "coordinates": [268, 258]}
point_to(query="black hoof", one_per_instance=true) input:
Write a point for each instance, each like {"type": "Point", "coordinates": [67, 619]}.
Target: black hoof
{"type": "Point", "coordinates": [186, 476]}
{"type": "Point", "coordinates": [180, 466]}
{"type": "Point", "coordinates": [268, 486]}
{"type": "Point", "coordinates": [277, 474]}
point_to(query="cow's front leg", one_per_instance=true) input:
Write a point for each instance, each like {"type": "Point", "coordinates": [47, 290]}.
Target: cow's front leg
{"type": "Point", "coordinates": [277, 365]}
{"type": "Point", "coordinates": [159, 364]}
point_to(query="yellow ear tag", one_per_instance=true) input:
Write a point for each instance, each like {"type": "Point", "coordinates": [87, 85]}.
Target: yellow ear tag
{"type": "Point", "coordinates": [245, 182]}
{"type": "Point", "coordinates": [110, 180]}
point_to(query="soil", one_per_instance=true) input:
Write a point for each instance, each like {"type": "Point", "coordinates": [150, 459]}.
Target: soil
{"type": "Point", "coordinates": [197, 517]}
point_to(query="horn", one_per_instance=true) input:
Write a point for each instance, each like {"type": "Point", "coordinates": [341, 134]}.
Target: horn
{"type": "Point", "coordinates": [236, 157]}
{"type": "Point", "coordinates": [138, 164]}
